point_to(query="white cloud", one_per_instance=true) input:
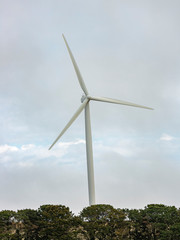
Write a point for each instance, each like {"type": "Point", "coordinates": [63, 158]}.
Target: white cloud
{"type": "Point", "coordinates": [27, 147]}
{"type": "Point", "coordinates": [166, 137]}
{"type": "Point", "coordinates": [29, 154]}
{"type": "Point", "coordinates": [7, 148]}
{"type": "Point", "coordinates": [128, 173]}
{"type": "Point", "coordinates": [68, 144]}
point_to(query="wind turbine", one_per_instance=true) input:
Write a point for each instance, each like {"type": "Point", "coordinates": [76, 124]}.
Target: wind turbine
{"type": "Point", "coordinates": [86, 98]}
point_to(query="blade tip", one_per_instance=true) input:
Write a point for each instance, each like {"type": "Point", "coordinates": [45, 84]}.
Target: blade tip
{"type": "Point", "coordinates": [50, 147]}
{"type": "Point", "coordinates": [63, 37]}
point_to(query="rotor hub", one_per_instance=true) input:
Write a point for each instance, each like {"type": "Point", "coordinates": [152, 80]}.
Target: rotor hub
{"type": "Point", "coordinates": [83, 98]}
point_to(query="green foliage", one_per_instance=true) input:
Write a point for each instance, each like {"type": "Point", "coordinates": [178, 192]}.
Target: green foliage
{"type": "Point", "coordinates": [55, 222]}
{"type": "Point", "coordinates": [7, 221]}
{"type": "Point", "coordinates": [97, 222]}
{"type": "Point", "coordinates": [6, 218]}
{"type": "Point", "coordinates": [28, 223]}
{"type": "Point", "coordinates": [156, 221]}
{"type": "Point", "coordinates": [103, 222]}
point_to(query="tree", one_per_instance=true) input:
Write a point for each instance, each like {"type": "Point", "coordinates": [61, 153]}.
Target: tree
{"type": "Point", "coordinates": [55, 222]}
{"type": "Point", "coordinates": [28, 224]}
{"type": "Point", "coordinates": [7, 219]}
{"type": "Point", "coordinates": [156, 221]}
{"type": "Point", "coordinates": [97, 222]}
{"type": "Point", "coordinates": [104, 222]}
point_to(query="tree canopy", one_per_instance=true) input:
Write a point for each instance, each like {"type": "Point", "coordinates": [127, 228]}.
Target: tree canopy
{"type": "Point", "coordinates": [97, 222]}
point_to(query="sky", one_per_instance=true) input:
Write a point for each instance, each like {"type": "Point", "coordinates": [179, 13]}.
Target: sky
{"type": "Point", "coordinates": [127, 50]}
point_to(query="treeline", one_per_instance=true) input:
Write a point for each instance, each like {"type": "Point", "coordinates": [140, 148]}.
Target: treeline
{"type": "Point", "coordinates": [98, 222]}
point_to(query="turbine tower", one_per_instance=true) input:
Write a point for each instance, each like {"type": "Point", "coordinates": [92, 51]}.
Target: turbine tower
{"type": "Point", "coordinates": [86, 98]}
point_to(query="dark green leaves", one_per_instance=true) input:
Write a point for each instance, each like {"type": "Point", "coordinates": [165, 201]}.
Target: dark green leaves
{"type": "Point", "coordinates": [100, 222]}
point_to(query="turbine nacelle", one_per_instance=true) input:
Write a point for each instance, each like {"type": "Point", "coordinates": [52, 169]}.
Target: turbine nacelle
{"type": "Point", "coordinates": [83, 98]}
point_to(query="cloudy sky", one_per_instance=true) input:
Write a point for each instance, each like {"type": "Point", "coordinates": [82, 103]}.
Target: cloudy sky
{"type": "Point", "coordinates": [125, 49]}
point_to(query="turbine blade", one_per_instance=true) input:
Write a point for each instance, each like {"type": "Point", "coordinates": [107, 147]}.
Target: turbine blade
{"type": "Point", "coordinates": [81, 82]}
{"type": "Point", "coordinates": [110, 100]}
{"type": "Point", "coordinates": [71, 121]}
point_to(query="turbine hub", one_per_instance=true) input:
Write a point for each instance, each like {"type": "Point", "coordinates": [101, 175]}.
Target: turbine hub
{"type": "Point", "coordinates": [83, 98]}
